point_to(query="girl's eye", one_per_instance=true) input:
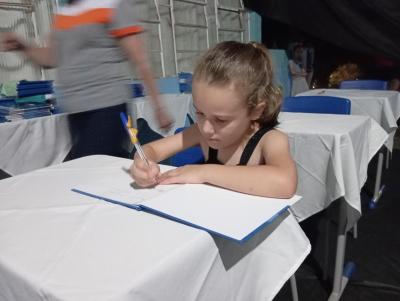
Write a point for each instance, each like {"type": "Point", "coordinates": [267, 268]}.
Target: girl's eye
{"type": "Point", "coordinates": [220, 120]}
{"type": "Point", "coordinates": [199, 113]}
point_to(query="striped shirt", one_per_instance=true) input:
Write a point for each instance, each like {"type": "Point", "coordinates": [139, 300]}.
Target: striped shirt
{"type": "Point", "coordinates": [92, 70]}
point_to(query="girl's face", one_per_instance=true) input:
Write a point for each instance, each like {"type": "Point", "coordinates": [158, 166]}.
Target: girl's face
{"type": "Point", "coordinates": [222, 115]}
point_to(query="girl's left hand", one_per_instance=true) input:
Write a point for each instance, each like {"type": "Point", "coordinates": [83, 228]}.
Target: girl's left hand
{"type": "Point", "coordinates": [188, 174]}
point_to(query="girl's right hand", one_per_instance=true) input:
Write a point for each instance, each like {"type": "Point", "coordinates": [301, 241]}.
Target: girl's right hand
{"type": "Point", "coordinates": [143, 174]}
{"type": "Point", "coordinates": [10, 42]}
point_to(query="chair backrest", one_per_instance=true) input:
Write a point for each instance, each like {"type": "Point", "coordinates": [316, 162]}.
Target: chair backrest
{"type": "Point", "coordinates": [169, 85]}
{"type": "Point", "coordinates": [192, 155]}
{"type": "Point", "coordinates": [364, 84]}
{"type": "Point", "coordinates": [185, 82]}
{"type": "Point", "coordinates": [317, 104]}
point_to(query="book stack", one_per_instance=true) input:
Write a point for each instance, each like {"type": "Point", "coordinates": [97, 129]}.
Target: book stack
{"type": "Point", "coordinates": [10, 110]}
{"type": "Point", "coordinates": [32, 88]}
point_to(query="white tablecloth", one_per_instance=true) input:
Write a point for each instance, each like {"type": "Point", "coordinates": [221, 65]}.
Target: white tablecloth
{"type": "Point", "coordinates": [382, 106]}
{"type": "Point", "coordinates": [332, 153]}
{"type": "Point", "coordinates": [178, 105]}
{"type": "Point", "coordinates": [58, 245]}
{"type": "Point", "coordinates": [34, 143]}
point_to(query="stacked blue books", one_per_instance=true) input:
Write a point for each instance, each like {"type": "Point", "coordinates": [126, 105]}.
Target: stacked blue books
{"type": "Point", "coordinates": [10, 110]}
{"type": "Point", "coordinates": [31, 88]}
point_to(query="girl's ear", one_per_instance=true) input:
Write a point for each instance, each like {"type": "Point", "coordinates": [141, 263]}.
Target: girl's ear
{"type": "Point", "coordinates": [257, 111]}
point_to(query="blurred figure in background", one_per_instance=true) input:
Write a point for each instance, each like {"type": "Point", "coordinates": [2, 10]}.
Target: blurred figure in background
{"type": "Point", "coordinates": [90, 46]}
{"type": "Point", "coordinates": [394, 84]}
{"type": "Point", "coordinates": [308, 62]}
{"type": "Point", "coordinates": [297, 71]}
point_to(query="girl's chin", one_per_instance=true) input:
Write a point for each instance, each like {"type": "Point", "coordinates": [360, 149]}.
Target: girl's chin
{"type": "Point", "coordinates": [214, 143]}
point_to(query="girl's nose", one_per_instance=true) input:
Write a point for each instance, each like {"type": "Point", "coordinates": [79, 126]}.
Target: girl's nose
{"type": "Point", "coordinates": [208, 128]}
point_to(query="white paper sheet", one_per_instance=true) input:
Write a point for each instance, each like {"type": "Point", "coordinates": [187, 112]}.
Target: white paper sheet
{"type": "Point", "coordinates": [220, 211]}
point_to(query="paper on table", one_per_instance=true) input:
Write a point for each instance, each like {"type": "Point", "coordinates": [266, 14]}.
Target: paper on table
{"type": "Point", "coordinates": [220, 211]}
{"type": "Point", "coordinates": [117, 185]}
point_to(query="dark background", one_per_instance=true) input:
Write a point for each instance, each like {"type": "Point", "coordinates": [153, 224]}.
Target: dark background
{"type": "Point", "coordinates": [365, 32]}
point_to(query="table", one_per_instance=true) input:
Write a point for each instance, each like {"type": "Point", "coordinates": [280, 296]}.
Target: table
{"type": "Point", "coordinates": [332, 153]}
{"type": "Point", "coordinates": [34, 143]}
{"type": "Point", "coordinates": [178, 105]}
{"type": "Point", "coordinates": [381, 105]}
{"type": "Point", "coordinates": [60, 245]}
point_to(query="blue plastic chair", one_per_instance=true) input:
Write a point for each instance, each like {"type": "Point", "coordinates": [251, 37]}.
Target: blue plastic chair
{"type": "Point", "coordinates": [185, 82]}
{"type": "Point", "coordinates": [364, 84]}
{"type": "Point", "coordinates": [317, 104]}
{"type": "Point", "coordinates": [192, 155]}
{"type": "Point", "coordinates": [169, 85]}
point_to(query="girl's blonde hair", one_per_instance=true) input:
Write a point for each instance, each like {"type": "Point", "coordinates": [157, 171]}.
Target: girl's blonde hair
{"type": "Point", "coordinates": [249, 68]}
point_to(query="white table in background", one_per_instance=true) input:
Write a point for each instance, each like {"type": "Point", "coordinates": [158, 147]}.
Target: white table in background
{"type": "Point", "coordinates": [178, 105]}
{"type": "Point", "coordinates": [60, 245]}
{"type": "Point", "coordinates": [332, 153]}
{"type": "Point", "coordinates": [381, 105]}
{"type": "Point", "coordinates": [30, 144]}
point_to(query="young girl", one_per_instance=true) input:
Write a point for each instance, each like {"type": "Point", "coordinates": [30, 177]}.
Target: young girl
{"type": "Point", "coordinates": [237, 107]}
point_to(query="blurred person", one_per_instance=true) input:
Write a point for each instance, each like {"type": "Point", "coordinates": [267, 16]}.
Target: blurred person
{"type": "Point", "coordinates": [394, 84]}
{"type": "Point", "coordinates": [297, 71]}
{"type": "Point", "coordinates": [308, 62]}
{"type": "Point", "coordinates": [90, 45]}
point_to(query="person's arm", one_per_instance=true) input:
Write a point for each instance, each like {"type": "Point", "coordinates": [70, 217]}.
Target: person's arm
{"type": "Point", "coordinates": [276, 179]}
{"type": "Point", "coordinates": [293, 72]}
{"type": "Point", "coordinates": [42, 56]}
{"type": "Point", "coordinates": [135, 50]}
{"type": "Point", "coordinates": [156, 151]}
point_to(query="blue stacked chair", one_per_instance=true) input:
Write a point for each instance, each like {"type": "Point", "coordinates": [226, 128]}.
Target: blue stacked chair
{"type": "Point", "coordinates": [185, 82]}
{"type": "Point", "coordinates": [364, 84]}
{"type": "Point", "coordinates": [169, 85]}
{"type": "Point", "coordinates": [317, 104]}
{"type": "Point", "coordinates": [192, 155]}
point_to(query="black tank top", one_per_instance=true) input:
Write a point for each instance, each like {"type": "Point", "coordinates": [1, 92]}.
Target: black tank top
{"type": "Point", "coordinates": [247, 152]}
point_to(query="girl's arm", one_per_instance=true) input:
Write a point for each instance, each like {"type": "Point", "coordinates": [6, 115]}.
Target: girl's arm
{"type": "Point", "coordinates": [166, 147]}
{"type": "Point", "coordinates": [277, 179]}
{"type": "Point", "coordinates": [147, 175]}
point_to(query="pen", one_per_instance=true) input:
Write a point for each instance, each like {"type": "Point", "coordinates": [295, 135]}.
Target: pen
{"type": "Point", "coordinates": [132, 132]}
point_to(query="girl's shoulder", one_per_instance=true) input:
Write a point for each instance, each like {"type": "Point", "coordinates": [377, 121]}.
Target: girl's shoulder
{"type": "Point", "coordinates": [274, 138]}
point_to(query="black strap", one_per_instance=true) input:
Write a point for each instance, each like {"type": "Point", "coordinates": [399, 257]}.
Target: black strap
{"type": "Point", "coordinates": [251, 145]}
{"type": "Point", "coordinates": [213, 156]}
{"type": "Point", "coordinates": [247, 152]}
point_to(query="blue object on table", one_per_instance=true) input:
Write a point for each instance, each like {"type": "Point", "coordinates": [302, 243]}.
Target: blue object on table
{"type": "Point", "coordinates": [364, 84]}
{"type": "Point", "coordinates": [185, 82]}
{"type": "Point", "coordinates": [9, 109]}
{"type": "Point", "coordinates": [192, 155]}
{"type": "Point", "coordinates": [317, 104]}
{"type": "Point", "coordinates": [32, 88]}
{"type": "Point", "coordinates": [33, 92]}
{"type": "Point", "coordinates": [35, 82]}
{"type": "Point", "coordinates": [137, 89]}
{"type": "Point", "coordinates": [168, 85]}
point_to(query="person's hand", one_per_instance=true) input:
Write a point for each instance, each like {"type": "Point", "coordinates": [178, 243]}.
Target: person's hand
{"type": "Point", "coordinates": [11, 42]}
{"type": "Point", "coordinates": [143, 174]}
{"type": "Point", "coordinates": [188, 174]}
{"type": "Point", "coordinates": [165, 121]}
